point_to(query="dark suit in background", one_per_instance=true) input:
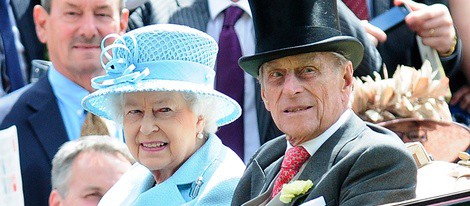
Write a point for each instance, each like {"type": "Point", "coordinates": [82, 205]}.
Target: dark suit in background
{"type": "Point", "coordinates": [39, 139]}
{"type": "Point", "coordinates": [195, 14]}
{"type": "Point", "coordinates": [34, 49]}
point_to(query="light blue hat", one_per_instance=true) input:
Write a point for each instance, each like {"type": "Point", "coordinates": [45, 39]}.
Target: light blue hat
{"type": "Point", "coordinates": [161, 57]}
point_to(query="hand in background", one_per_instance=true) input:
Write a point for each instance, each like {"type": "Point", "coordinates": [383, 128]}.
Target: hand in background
{"type": "Point", "coordinates": [374, 33]}
{"type": "Point", "coordinates": [432, 23]}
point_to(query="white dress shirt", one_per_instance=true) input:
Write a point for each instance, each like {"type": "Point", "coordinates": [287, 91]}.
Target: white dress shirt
{"type": "Point", "coordinates": [246, 36]}
{"type": "Point", "coordinates": [314, 144]}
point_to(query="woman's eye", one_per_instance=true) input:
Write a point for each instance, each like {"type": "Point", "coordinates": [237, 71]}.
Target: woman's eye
{"type": "Point", "coordinates": [166, 109]}
{"type": "Point", "coordinates": [132, 112]}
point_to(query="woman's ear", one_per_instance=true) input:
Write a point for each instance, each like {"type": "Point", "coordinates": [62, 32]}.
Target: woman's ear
{"type": "Point", "coordinates": [201, 122]}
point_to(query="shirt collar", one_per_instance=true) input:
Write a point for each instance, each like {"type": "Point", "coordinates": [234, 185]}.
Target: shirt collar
{"type": "Point", "coordinates": [218, 6]}
{"type": "Point", "coordinates": [66, 91]}
{"type": "Point", "coordinates": [314, 144]}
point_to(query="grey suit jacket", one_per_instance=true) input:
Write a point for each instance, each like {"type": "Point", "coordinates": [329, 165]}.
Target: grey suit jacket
{"type": "Point", "coordinates": [360, 164]}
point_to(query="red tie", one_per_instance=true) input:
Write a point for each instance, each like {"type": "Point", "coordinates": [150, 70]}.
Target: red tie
{"type": "Point", "coordinates": [359, 7]}
{"type": "Point", "coordinates": [293, 160]}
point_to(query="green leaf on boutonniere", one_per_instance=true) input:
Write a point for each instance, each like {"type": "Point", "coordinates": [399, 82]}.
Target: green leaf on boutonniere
{"type": "Point", "coordinates": [293, 189]}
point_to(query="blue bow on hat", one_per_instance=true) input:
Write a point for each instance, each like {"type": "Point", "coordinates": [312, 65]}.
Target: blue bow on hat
{"type": "Point", "coordinates": [162, 57]}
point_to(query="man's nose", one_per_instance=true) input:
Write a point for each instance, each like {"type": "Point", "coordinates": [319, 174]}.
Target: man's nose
{"type": "Point", "coordinates": [88, 27]}
{"type": "Point", "coordinates": [292, 84]}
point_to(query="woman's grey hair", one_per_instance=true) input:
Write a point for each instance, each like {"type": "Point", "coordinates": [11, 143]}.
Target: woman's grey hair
{"type": "Point", "coordinates": [69, 151]}
{"type": "Point", "coordinates": [202, 106]}
{"type": "Point", "coordinates": [341, 59]}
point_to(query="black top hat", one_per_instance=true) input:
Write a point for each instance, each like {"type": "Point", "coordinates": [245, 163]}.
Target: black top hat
{"type": "Point", "coordinates": [289, 27]}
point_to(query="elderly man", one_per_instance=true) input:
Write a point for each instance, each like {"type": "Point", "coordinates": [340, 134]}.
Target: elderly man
{"type": "Point", "coordinates": [305, 67]}
{"type": "Point", "coordinates": [83, 170]}
{"type": "Point", "coordinates": [49, 113]}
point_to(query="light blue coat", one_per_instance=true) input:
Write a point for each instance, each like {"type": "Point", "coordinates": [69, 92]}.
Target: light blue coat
{"type": "Point", "coordinates": [219, 167]}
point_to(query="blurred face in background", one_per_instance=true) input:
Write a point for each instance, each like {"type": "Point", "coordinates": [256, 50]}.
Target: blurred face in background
{"type": "Point", "coordinates": [73, 30]}
{"type": "Point", "coordinates": [92, 175]}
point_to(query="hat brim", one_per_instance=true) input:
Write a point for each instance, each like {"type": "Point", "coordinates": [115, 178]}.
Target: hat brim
{"type": "Point", "coordinates": [99, 102]}
{"type": "Point", "coordinates": [442, 139]}
{"type": "Point", "coordinates": [348, 46]}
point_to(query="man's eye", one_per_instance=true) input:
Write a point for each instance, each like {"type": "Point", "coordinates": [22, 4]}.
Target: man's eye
{"type": "Point", "coordinates": [95, 195]}
{"type": "Point", "coordinates": [103, 15]}
{"type": "Point", "coordinates": [308, 69]}
{"type": "Point", "coordinates": [71, 13]}
{"type": "Point", "coordinates": [276, 74]}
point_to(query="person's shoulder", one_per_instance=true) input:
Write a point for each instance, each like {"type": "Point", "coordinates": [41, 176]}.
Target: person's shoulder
{"type": "Point", "coordinates": [270, 151]}
{"type": "Point", "coordinates": [376, 134]}
{"type": "Point", "coordinates": [19, 104]}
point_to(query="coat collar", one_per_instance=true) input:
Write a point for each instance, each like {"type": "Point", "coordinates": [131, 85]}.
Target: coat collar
{"type": "Point", "coordinates": [187, 174]}
{"type": "Point", "coordinates": [328, 153]}
{"type": "Point", "coordinates": [46, 120]}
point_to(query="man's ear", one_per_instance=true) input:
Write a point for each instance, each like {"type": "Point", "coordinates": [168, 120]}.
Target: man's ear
{"type": "Point", "coordinates": [54, 198]}
{"type": "Point", "coordinates": [40, 19]}
{"type": "Point", "coordinates": [348, 81]}
{"type": "Point", "coordinates": [123, 21]}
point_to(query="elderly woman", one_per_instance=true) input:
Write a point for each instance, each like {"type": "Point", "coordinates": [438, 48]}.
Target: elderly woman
{"type": "Point", "coordinates": [159, 85]}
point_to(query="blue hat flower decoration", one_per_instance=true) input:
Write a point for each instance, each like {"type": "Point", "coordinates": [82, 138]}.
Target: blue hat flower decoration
{"type": "Point", "coordinates": [161, 57]}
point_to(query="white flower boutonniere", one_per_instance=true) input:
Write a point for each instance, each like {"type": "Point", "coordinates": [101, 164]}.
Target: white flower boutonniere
{"type": "Point", "coordinates": [293, 189]}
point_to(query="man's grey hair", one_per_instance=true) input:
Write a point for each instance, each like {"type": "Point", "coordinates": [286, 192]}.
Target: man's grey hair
{"type": "Point", "coordinates": [69, 151]}
{"type": "Point", "coordinates": [341, 59]}
{"type": "Point", "coordinates": [202, 106]}
{"type": "Point", "coordinates": [46, 4]}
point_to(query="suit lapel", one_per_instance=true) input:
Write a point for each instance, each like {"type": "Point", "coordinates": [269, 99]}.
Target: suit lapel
{"type": "Point", "coordinates": [328, 154]}
{"type": "Point", "coordinates": [270, 158]}
{"type": "Point", "coordinates": [47, 122]}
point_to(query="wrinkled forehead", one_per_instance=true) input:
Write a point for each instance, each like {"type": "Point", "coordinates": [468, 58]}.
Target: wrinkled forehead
{"type": "Point", "coordinates": [154, 97]}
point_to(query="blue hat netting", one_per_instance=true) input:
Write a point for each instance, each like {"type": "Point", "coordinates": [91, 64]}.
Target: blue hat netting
{"type": "Point", "coordinates": [156, 43]}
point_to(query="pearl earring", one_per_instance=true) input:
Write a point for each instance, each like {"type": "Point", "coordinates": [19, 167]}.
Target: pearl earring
{"type": "Point", "coordinates": [200, 135]}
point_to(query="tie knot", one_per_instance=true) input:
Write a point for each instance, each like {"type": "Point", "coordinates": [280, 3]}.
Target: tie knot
{"type": "Point", "coordinates": [295, 158]}
{"type": "Point", "coordinates": [232, 14]}
{"type": "Point", "coordinates": [93, 125]}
